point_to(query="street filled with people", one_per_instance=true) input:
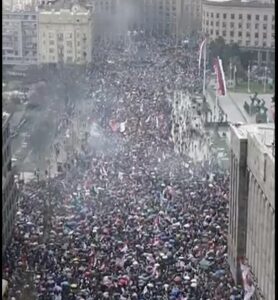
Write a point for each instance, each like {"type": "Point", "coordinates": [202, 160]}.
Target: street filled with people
{"type": "Point", "coordinates": [131, 218]}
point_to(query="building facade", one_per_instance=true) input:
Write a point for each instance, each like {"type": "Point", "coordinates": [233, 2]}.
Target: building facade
{"type": "Point", "coordinates": [20, 38]}
{"type": "Point", "coordinates": [9, 191]}
{"type": "Point", "coordinates": [250, 24]}
{"type": "Point", "coordinates": [174, 18]}
{"type": "Point", "coordinates": [252, 207]}
{"type": "Point", "coordinates": [65, 36]}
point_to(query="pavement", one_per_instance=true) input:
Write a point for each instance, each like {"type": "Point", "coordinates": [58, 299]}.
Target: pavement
{"type": "Point", "coordinates": [233, 105]}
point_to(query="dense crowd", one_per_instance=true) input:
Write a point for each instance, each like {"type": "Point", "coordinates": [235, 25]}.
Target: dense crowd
{"type": "Point", "coordinates": [131, 219]}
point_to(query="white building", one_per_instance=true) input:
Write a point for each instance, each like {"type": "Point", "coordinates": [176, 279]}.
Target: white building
{"type": "Point", "coordinates": [252, 205]}
{"type": "Point", "coordinates": [250, 24]}
{"type": "Point", "coordinates": [20, 38]}
{"type": "Point", "coordinates": [65, 36]}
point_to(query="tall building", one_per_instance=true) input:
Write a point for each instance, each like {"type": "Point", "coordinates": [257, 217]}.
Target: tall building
{"type": "Point", "coordinates": [250, 24]}
{"type": "Point", "coordinates": [65, 36]}
{"type": "Point", "coordinates": [177, 18]}
{"type": "Point", "coordinates": [20, 38]}
{"type": "Point", "coordinates": [252, 207]}
{"type": "Point", "coordinates": [9, 192]}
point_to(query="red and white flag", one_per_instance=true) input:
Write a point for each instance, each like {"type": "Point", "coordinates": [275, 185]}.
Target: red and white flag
{"type": "Point", "coordinates": [249, 288]}
{"type": "Point", "coordinates": [201, 51]}
{"type": "Point", "coordinates": [220, 76]}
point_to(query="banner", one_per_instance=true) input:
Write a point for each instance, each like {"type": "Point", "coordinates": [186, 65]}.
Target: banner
{"type": "Point", "coordinates": [220, 77]}
{"type": "Point", "coordinates": [202, 46]}
{"type": "Point", "coordinates": [249, 288]}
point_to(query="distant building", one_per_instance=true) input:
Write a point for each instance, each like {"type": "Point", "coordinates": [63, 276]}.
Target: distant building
{"type": "Point", "coordinates": [252, 206]}
{"type": "Point", "coordinates": [19, 38]}
{"type": "Point", "coordinates": [114, 18]}
{"type": "Point", "coordinates": [250, 24]}
{"type": "Point", "coordinates": [65, 36]}
{"type": "Point", "coordinates": [9, 192]}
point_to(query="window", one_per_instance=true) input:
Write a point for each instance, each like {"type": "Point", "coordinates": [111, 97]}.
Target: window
{"type": "Point", "coordinates": [217, 32]}
{"type": "Point", "coordinates": [240, 16]}
{"type": "Point", "coordinates": [211, 31]}
{"type": "Point", "coordinates": [224, 25]}
{"type": "Point", "coordinates": [217, 16]}
{"type": "Point", "coordinates": [51, 42]}
{"type": "Point", "coordinates": [69, 44]}
{"type": "Point", "coordinates": [51, 50]}
{"type": "Point", "coordinates": [248, 17]}
{"type": "Point", "coordinates": [239, 25]}
{"type": "Point", "coordinates": [248, 25]}
{"type": "Point", "coordinates": [248, 34]}
{"type": "Point", "coordinates": [224, 16]}
{"type": "Point", "coordinates": [224, 32]}
{"type": "Point", "coordinates": [264, 35]}
{"type": "Point", "coordinates": [256, 26]}
{"type": "Point", "coordinates": [217, 23]}
{"type": "Point", "coordinates": [264, 26]}
{"type": "Point", "coordinates": [231, 33]}
{"type": "Point", "coordinates": [264, 44]}
{"type": "Point", "coordinates": [257, 17]}
{"type": "Point", "coordinates": [207, 14]}
{"type": "Point", "coordinates": [211, 23]}
{"type": "Point", "coordinates": [240, 34]}
{"type": "Point", "coordinates": [211, 15]}
{"type": "Point", "coordinates": [247, 43]}
{"type": "Point", "coordinates": [256, 35]}
{"type": "Point", "coordinates": [232, 16]}
{"type": "Point", "coordinates": [265, 17]}
{"type": "Point", "coordinates": [232, 24]}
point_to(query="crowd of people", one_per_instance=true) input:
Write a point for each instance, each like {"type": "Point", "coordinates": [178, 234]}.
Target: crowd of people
{"type": "Point", "coordinates": [131, 219]}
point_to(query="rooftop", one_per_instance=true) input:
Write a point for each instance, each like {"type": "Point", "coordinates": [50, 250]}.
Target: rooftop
{"type": "Point", "coordinates": [264, 133]}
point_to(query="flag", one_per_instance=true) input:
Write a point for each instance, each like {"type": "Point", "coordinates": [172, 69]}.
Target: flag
{"type": "Point", "coordinates": [201, 51]}
{"type": "Point", "coordinates": [249, 288]}
{"type": "Point", "coordinates": [220, 76]}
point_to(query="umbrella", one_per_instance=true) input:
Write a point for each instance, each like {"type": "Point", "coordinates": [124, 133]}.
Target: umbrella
{"type": "Point", "coordinates": [64, 283]}
{"type": "Point", "coordinates": [219, 273]}
{"type": "Point", "coordinates": [177, 279]}
{"type": "Point", "coordinates": [73, 286]}
{"type": "Point", "coordinates": [204, 264]}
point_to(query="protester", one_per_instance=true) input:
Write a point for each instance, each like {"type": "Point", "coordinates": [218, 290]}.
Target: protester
{"type": "Point", "coordinates": [131, 219]}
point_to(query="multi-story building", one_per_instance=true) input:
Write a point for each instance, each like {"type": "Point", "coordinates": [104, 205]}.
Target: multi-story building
{"type": "Point", "coordinates": [9, 192]}
{"type": "Point", "coordinates": [20, 38]}
{"type": "Point", "coordinates": [177, 18]}
{"type": "Point", "coordinates": [250, 24]}
{"type": "Point", "coordinates": [65, 36]}
{"type": "Point", "coordinates": [252, 207]}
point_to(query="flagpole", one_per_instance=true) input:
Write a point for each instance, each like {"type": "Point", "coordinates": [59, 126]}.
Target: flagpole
{"type": "Point", "coordinates": [264, 79]}
{"type": "Point", "coordinates": [205, 63]}
{"type": "Point", "coordinates": [248, 78]}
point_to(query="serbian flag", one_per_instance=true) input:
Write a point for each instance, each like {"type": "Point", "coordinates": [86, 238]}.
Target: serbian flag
{"type": "Point", "coordinates": [220, 76]}
{"type": "Point", "coordinates": [249, 289]}
{"type": "Point", "coordinates": [201, 51]}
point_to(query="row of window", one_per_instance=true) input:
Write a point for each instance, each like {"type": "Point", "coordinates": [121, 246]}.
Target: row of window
{"type": "Point", "coordinates": [232, 25]}
{"type": "Point", "coordinates": [239, 34]}
{"type": "Point", "coordinates": [240, 16]}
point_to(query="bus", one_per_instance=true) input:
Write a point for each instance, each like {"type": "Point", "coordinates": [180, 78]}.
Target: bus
{"type": "Point", "coordinates": [4, 289]}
